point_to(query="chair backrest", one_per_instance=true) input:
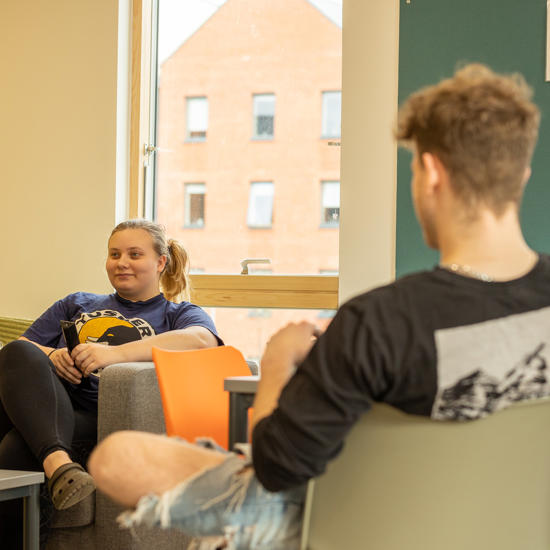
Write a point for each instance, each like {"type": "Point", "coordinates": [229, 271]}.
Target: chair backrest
{"type": "Point", "coordinates": [408, 482]}
{"type": "Point", "coordinates": [191, 387]}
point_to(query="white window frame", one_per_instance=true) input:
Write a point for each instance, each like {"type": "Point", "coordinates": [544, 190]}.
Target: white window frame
{"type": "Point", "coordinates": [196, 120]}
{"type": "Point", "coordinates": [257, 100]}
{"type": "Point", "coordinates": [326, 113]}
{"type": "Point", "coordinates": [258, 192]}
{"type": "Point", "coordinates": [190, 189]}
{"type": "Point", "coordinates": [329, 201]}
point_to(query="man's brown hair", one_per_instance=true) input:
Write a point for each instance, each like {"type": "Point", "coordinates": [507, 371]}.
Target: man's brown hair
{"type": "Point", "coordinates": [483, 128]}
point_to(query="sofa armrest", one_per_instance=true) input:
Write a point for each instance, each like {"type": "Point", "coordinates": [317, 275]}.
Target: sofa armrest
{"type": "Point", "coordinates": [129, 399]}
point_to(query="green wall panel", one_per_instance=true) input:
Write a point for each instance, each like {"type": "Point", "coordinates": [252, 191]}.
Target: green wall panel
{"type": "Point", "coordinates": [435, 37]}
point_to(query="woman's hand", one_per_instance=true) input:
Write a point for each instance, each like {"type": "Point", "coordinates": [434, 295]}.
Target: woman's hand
{"type": "Point", "coordinates": [64, 366]}
{"type": "Point", "coordinates": [91, 357]}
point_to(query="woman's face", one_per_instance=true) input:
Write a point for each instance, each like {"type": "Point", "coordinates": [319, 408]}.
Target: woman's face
{"type": "Point", "coordinates": [133, 266]}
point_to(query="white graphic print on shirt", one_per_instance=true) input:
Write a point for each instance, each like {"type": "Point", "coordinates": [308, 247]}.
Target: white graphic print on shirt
{"type": "Point", "coordinates": [485, 367]}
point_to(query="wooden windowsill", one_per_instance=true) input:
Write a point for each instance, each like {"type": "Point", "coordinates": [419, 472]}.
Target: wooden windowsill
{"type": "Point", "coordinates": [266, 291]}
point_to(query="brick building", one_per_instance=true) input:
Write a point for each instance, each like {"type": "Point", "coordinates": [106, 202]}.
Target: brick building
{"type": "Point", "coordinates": [248, 106]}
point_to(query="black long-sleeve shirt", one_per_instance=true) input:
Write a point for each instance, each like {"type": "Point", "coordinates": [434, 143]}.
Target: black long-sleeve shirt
{"type": "Point", "coordinates": [434, 344]}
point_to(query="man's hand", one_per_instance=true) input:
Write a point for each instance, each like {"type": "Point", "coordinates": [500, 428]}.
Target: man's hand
{"type": "Point", "coordinates": [91, 357]}
{"type": "Point", "coordinates": [284, 351]}
{"type": "Point", "coordinates": [64, 366]}
{"type": "Point", "coordinates": [289, 346]}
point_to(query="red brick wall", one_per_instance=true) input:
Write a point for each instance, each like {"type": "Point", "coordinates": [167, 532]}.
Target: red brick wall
{"type": "Point", "coordinates": [285, 47]}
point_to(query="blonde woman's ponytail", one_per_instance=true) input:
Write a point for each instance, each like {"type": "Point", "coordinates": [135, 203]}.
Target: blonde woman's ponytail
{"type": "Point", "coordinates": [174, 281]}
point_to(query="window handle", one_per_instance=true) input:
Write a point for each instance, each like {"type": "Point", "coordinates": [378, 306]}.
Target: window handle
{"type": "Point", "coordinates": [246, 261]}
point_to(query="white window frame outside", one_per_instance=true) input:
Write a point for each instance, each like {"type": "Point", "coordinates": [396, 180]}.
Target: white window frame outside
{"type": "Point", "coordinates": [259, 191]}
{"type": "Point", "coordinates": [196, 118]}
{"type": "Point", "coordinates": [329, 113]}
{"type": "Point", "coordinates": [330, 199]}
{"type": "Point", "coordinates": [259, 102]}
{"type": "Point", "coordinates": [189, 190]}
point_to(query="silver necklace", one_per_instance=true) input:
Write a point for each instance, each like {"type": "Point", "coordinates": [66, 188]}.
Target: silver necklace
{"type": "Point", "coordinates": [463, 269]}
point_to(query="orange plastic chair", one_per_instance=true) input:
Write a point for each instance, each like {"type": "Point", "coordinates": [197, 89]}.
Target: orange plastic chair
{"type": "Point", "coordinates": [191, 387]}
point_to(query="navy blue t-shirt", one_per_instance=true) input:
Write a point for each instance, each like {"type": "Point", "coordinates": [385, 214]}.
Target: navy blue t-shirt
{"type": "Point", "coordinates": [112, 320]}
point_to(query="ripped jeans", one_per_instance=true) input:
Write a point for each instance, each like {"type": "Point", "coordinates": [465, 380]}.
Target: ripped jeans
{"type": "Point", "coordinates": [228, 505]}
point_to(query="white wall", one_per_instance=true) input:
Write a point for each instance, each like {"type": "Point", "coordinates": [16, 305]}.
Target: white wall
{"type": "Point", "coordinates": [369, 153]}
{"type": "Point", "coordinates": [58, 144]}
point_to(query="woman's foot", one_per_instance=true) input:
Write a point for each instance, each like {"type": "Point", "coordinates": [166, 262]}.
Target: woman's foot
{"type": "Point", "coordinates": [69, 485]}
{"type": "Point", "coordinates": [54, 460]}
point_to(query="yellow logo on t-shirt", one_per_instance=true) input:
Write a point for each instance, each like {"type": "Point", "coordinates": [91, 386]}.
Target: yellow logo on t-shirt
{"type": "Point", "coordinates": [111, 328]}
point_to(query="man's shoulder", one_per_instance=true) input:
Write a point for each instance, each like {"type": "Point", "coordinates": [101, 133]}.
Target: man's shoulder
{"type": "Point", "coordinates": [407, 285]}
{"type": "Point", "coordinates": [544, 260]}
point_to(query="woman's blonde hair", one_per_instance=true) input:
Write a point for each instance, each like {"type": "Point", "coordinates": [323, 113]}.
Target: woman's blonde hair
{"type": "Point", "coordinates": [174, 279]}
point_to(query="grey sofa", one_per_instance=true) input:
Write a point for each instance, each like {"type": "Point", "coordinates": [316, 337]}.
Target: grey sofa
{"type": "Point", "coordinates": [129, 399]}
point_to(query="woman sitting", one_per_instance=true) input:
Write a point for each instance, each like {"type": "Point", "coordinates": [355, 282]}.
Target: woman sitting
{"type": "Point", "coordinates": [48, 395]}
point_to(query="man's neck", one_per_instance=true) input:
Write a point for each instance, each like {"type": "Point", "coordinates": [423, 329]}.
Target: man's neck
{"type": "Point", "coordinates": [489, 245]}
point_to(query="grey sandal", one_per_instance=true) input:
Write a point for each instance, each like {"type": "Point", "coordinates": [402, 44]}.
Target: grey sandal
{"type": "Point", "coordinates": [69, 485]}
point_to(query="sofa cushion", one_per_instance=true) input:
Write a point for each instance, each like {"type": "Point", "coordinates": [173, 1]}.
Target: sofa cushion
{"type": "Point", "coordinates": [12, 328]}
{"type": "Point", "coordinates": [81, 514]}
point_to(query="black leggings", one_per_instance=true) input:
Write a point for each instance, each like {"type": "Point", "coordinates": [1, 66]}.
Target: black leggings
{"type": "Point", "coordinates": [37, 415]}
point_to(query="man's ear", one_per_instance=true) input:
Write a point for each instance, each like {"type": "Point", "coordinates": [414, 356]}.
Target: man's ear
{"type": "Point", "coordinates": [435, 171]}
{"type": "Point", "coordinates": [526, 176]}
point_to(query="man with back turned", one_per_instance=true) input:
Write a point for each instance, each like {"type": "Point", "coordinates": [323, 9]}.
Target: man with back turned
{"type": "Point", "coordinates": [457, 342]}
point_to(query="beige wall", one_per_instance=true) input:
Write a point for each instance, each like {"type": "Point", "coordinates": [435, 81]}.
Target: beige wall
{"type": "Point", "coordinates": [369, 154]}
{"type": "Point", "coordinates": [58, 143]}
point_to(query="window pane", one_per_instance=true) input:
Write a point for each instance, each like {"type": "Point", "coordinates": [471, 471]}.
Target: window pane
{"type": "Point", "coordinates": [194, 204]}
{"type": "Point", "coordinates": [197, 117]}
{"type": "Point", "coordinates": [264, 115]}
{"type": "Point", "coordinates": [332, 107]}
{"type": "Point", "coordinates": [249, 329]}
{"type": "Point", "coordinates": [260, 204]}
{"type": "Point", "coordinates": [241, 69]}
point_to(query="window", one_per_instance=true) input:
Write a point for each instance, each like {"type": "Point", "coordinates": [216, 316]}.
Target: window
{"type": "Point", "coordinates": [260, 204]}
{"type": "Point", "coordinates": [250, 330]}
{"type": "Point", "coordinates": [268, 68]}
{"type": "Point", "coordinates": [264, 115]}
{"type": "Point", "coordinates": [262, 75]}
{"type": "Point", "coordinates": [194, 204]}
{"type": "Point", "coordinates": [332, 107]}
{"type": "Point", "coordinates": [330, 203]}
{"type": "Point", "coordinates": [197, 118]}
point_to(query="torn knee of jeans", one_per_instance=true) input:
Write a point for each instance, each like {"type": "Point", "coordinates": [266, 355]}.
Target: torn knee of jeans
{"type": "Point", "coordinates": [235, 493]}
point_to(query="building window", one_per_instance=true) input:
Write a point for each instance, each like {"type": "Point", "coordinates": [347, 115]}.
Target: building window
{"type": "Point", "coordinates": [332, 109]}
{"type": "Point", "coordinates": [330, 203]}
{"type": "Point", "coordinates": [264, 116]}
{"type": "Point", "coordinates": [260, 204]}
{"type": "Point", "coordinates": [194, 204]}
{"type": "Point", "coordinates": [197, 118]}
